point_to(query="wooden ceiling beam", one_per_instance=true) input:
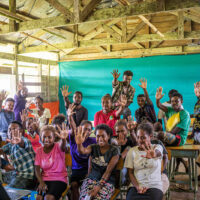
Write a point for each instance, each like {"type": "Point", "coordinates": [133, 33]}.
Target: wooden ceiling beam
{"type": "Point", "coordinates": [112, 41]}
{"type": "Point", "coordinates": [62, 9]}
{"type": "Point", "coordinates": [12, 9]}
{"type": "Point", "coordinates": [135, 53]}
{"type": "Point", "coordinates": [53, 31]}
{"type": "Point", "coordinates": [99, 30]}
{"type": "Point", "coordinates": [123, 2]}
{"type": "Point", "coordinates": [135, 30]}
{"type": "Point", "coordinates": [146, 21]}
{"type": "Point", "coordinates": [9, 56]}
{"type": "Point", "coordinates": [111, 32]}
{"type": "Point", "coordinates": [87, 10]}
{"type": "Point", "coordinates": [60, 21]}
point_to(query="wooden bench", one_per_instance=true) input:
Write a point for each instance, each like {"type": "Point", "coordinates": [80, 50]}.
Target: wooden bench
{"type": "Point", "coordinates": [190, 152]}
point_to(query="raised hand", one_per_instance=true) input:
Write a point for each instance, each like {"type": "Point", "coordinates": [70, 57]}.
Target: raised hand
{"type": "Point", "coordinates": [122, 101]}
{"type": "Point", "coordinates": [28, 104]}
{"type": "Point", "coordinates": [23, 115]}
{"type": "Point", "coordinates": [64, 91]}
{"type": "Point", "coordinates": [143, 83]}
{"type": "Point", "coordinates": [121, 140]}
{"type": "Point", "coordinates": [16, 137]}
{"type": "Point", "coordinates": [197, 89]}
{"type": "Point", "coordinates": [20, 85]}
{"type": "Point", "coordinates": [131, 124]}
{"type": "Point", "coordinates": [3, 95]}
{"type": "Point", "coordinates": [79, 135]}
{"type": "Point", "coordinates": [64, 132]}
{"type": "Point", "coordinates": [159, 94]}
{"type": "Point", "coordinates": [70, 110]}
{"type": "Point", "coordinates": [150, 151]}
{"type": "Point", "coordinates": [115, 74]}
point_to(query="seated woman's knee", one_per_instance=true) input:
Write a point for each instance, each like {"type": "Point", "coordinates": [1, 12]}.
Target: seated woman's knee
{"type": "Point", "coordinates": [49, 197]}
{"type": "Point", "coordinates": [39, 197]}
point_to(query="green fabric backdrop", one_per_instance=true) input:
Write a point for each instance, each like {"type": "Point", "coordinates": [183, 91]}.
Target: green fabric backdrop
{"type": "Point", "coordinates": [94, 79]}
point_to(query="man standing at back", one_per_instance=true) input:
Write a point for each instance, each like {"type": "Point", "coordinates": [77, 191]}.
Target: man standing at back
{"type": "Point", "coordinates": [122, 88]}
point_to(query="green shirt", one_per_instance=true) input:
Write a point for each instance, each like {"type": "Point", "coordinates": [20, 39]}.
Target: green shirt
{"type": "Point", "coordinates": [184, 123]}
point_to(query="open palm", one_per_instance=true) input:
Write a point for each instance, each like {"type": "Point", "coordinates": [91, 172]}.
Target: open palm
{"type": "Point", "coordinates": [64, 91]}
{"type": "Point", "coordinates": [159, 94]}
{"type": "Point", "coordinates": [3, 95]}
{"type": "Point", "coordinates": [115, 74]}
{"type": "Point", "coordinates": [79, 135]}
{"type": "Point", "coordinates": [143, 83]}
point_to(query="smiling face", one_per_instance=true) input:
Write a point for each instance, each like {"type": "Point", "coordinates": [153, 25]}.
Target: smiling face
{"type": "Point", "coordinates": [38, 103]}
{"type": "Point", "coordinates": [77, 98]}
{"type": "Point", "coordinates": [87, 129]}
{"type": "Point", "coordinates": [48, 138]}
{"type": "Point", "coordinates": [127, 80]}
{"type": "Point", "coordinates": [106, 104]}
{"type": "Point", "coordinates": [121, 130]}
{"type": "Point", "coordinates": [176, 103]}
{"type": "Point", "coordinates": [24, 92]}
{"type": "Point", "coordinates": [9, 105]}
{"type": "Point", "coordinates": [143, 138]}
{"type": "Point", "coordinates": [13, 129]}
{"type": "Point", "coordinates": [141, 101]}
{"type": "Point", "coordinates": [102, 137]}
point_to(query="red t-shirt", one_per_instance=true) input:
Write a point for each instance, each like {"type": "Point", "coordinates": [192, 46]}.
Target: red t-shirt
{"type": "Point", "coordinates": [34, 141]}
{"type": "Point", "coordinates": [110, 119]}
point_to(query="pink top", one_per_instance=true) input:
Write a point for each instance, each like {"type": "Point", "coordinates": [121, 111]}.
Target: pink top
{"type": "Point", "coordinates": [52, 164]}
{"type": "Point", "coordinates": [110, 119]}
{"type": "Point", "coordinates": [34, 141]}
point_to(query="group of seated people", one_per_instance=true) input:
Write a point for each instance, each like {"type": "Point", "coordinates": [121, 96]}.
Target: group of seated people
{"type": "Point", "coordinates": [33, 150]}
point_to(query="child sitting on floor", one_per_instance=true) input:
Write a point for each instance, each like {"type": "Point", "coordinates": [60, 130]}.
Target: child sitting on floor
{"type": "Point", "coordinates": [107, 115]}
{"type": "Point", "coordinates": [50, 164]}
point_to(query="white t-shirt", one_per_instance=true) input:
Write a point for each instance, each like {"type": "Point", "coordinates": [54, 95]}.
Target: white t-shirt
{"type": "Point", "coordinates": [146, 171]}
{"type": "Point", "coordinates": [42, 119]}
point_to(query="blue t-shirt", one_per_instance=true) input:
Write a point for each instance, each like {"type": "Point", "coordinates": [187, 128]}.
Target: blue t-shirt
{"type": "Point", "coordinates": [6, 117]}
{"type": "Point", "coordinates": [79, 161]}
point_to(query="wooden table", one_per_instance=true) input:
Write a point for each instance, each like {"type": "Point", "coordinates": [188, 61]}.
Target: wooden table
{"type": "Point", "coordinates": [187, 151]}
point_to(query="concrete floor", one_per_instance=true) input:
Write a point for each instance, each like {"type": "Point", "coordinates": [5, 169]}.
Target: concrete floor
{"type": "Point", "coordinates": [183, 194]}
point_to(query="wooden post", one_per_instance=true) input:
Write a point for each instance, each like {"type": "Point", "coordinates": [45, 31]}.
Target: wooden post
{"type": "Point", "coordinates": [12, 8]}
{"type": "Point", "coordinates": [76, 35]}
{"type": "Point", "coordinates": [108, 46]}
{"type": "Point", "coordinates": [76, 11]}
{"type": "Point", "coordinates": [48, 84]}
{"type": "Point", "coordinates": [180, 25]}
{"type": "Point", "coordinates": [124, 29]}
{"type": "Point", "coordinates": [16, 66]}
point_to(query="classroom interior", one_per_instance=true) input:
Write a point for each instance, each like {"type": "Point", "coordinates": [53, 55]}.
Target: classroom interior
{"type": "Point", "coordinates": [46, 45]}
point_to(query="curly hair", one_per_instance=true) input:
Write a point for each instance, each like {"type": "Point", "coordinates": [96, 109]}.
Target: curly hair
{"type": "Point", "coordinates": [58, 119]}
{"type": "Point", "coordinates": [104, 127]}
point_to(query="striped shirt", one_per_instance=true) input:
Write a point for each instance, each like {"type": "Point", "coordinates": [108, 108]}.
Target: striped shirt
{"type": "Point", "coordinates": [22, 159]}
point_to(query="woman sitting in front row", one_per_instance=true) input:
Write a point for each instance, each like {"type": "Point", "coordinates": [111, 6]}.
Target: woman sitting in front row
{"type": "Point", "coordinates": [100, 182]}
{"type": "Point", "coordinates": [144, 167]}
